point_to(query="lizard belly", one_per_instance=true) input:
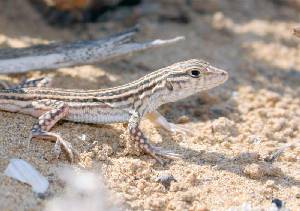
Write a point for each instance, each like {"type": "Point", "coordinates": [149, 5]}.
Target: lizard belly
{"type": "Point", "coordinates": [102, 116]}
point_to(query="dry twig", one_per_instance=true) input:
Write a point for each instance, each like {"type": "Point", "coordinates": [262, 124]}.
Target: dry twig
{"type": "Point", "coordinates": [60, 54]}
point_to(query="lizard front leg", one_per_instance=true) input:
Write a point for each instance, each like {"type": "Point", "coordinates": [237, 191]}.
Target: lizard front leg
{"type": "Point", "coordinates": [156, 118]}
{"type": "Point", "coordinates": [138, 136]}
{"type": "Point", "coordinates": [57, 111]}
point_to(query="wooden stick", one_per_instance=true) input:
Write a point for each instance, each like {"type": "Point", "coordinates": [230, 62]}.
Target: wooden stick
{"type": "Point", "coordinates": [60, 54]}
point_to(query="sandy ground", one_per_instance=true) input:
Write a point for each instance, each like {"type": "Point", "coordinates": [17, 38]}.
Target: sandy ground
{"type": "Point", "coordinates": [236, 125]}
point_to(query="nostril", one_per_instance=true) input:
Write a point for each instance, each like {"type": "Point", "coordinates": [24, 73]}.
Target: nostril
{"type": "Point", "coordinates": [223, 73]}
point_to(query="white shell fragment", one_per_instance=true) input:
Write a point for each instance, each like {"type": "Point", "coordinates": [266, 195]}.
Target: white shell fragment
{"type": "Point", "coordinates": [24, 172]}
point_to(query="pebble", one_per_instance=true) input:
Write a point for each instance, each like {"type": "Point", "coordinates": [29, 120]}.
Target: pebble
{"type": "Point", "coordinates": [277, 202]}
{"type": "Point", "coordinates": [183, 119]}
{"type": "Point", "coordinates": [270, 184]}
{"type": "Point", "coordinates": [165, 179]}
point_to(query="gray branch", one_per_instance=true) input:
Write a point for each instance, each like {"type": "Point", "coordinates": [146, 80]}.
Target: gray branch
{"type": "Point", "coordinates": [59, 54]}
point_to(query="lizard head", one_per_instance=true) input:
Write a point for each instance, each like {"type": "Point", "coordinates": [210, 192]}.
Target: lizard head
{"type": "Point", "coordinates": [192, 76]}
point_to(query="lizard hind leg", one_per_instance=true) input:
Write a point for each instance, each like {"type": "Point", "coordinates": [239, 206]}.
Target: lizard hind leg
{"type": "Point", "coordinates": [155, 152]}
{"type": "Point", "coordinates": [46, 121]}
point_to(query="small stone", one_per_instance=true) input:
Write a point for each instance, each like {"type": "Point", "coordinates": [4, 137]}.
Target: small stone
{"type": "Point", "coordinates": [297, 195]}
{"type": "Point", "coordinates": [270, 184]}
{"type": "Point", "coordinates": [165, 179]}
{"type": "Point", "coordinates": [183, 119]}
{"type": "Point", "coordinates": [277, 202]}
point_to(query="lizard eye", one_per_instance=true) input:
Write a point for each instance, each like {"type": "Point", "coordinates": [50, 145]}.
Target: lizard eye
{"type": "Point", "coordinates": [195, 73]}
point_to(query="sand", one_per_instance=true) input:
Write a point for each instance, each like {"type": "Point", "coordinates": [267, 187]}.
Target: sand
{"type": "Point", "coordinates": [236, 125]}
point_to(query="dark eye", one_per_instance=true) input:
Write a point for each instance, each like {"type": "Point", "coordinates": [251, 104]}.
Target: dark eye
{"type": "Point", "coordinates": [195, 73]}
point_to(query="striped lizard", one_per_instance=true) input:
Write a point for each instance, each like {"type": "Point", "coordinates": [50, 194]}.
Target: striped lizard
{"type": "Point", "coordinates": [127, 103]}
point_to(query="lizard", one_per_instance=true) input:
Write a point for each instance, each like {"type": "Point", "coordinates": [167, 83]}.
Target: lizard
{"type": "Point", "coordinates": [126, 103]}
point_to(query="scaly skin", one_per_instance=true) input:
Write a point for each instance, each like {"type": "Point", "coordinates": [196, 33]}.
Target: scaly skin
{"type": "Point", "coordinates": [127, 103]}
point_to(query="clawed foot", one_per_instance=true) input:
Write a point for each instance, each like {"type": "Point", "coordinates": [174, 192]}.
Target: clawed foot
{"type": "Point", "coordinates": [174, 128]}
{"type": "Point", "coordinates": [155, 152]}
{"type": "Point", "coordinates": [166, 153]}
{"type": "Point", "coordinates": [59, 145]}
{"type": "Point", "coordinates": [67, 147]}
